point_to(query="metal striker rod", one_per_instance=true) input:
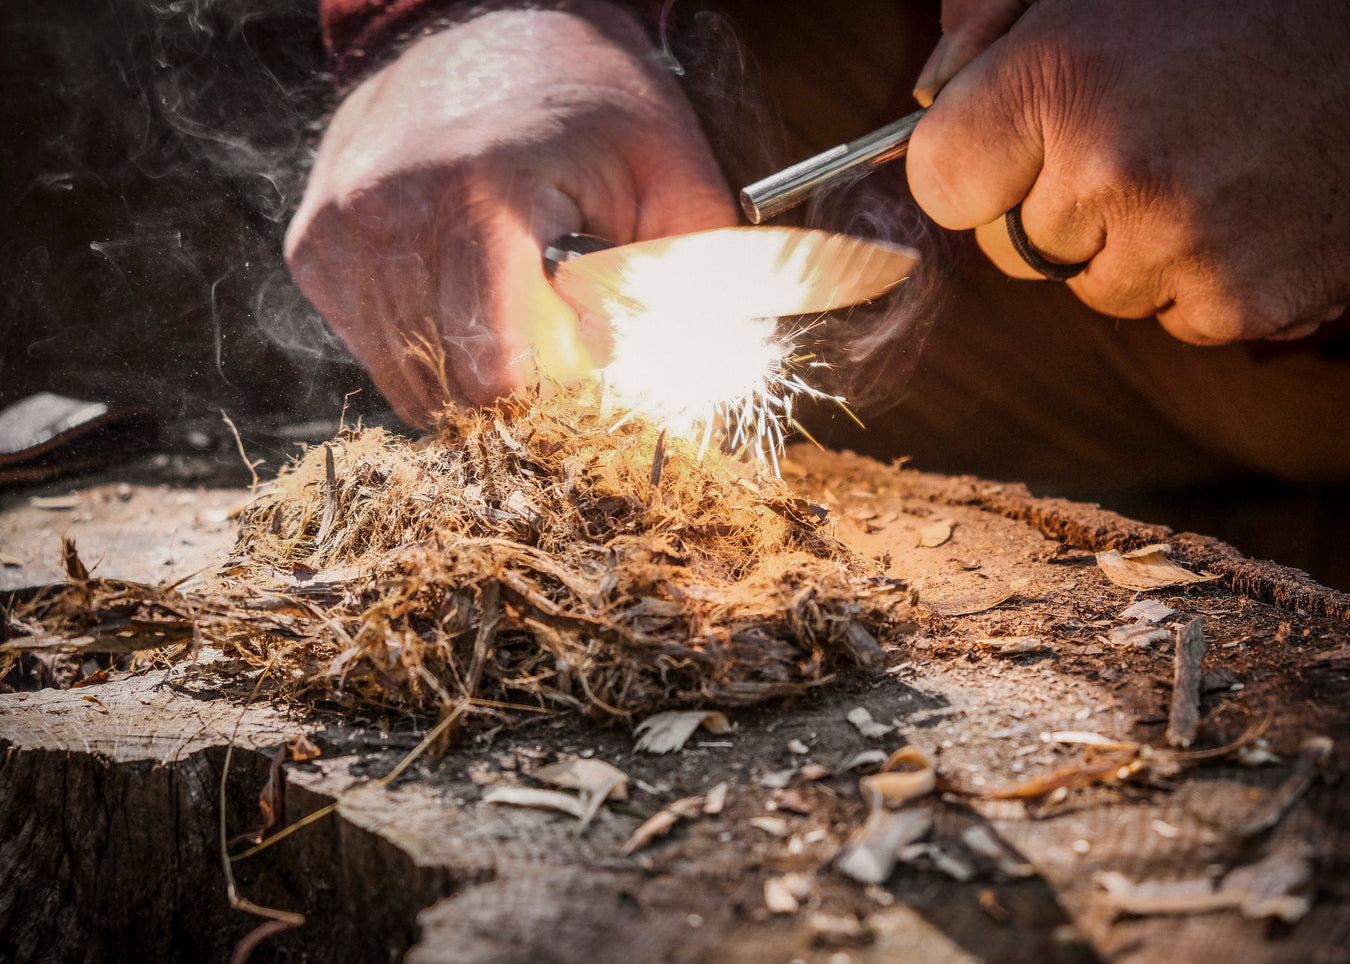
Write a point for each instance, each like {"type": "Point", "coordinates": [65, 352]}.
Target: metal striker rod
{"type": "Point", "coordinates": [793, 185]}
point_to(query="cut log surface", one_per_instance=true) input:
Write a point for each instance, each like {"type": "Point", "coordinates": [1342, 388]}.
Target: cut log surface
{"type": "Point", "coordinates": [110, 794]}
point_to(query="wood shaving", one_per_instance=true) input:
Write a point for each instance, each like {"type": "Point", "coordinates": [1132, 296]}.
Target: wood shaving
{"type": "Point", "coordinates": [669, 731]}
{"type": "Point", "coordinates": [1146, 568]}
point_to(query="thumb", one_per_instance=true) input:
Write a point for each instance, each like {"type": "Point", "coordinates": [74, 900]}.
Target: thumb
{"type": "Point", "coordinates": [968, 28]}
{"type": "Point", "coordinates": [980, 147]}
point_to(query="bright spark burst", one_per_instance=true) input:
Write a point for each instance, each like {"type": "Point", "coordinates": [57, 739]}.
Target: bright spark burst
{"type": "Point", "coordinates": [711, 376]}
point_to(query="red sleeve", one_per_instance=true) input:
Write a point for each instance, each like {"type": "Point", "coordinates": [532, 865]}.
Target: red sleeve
{"type": "Point", "coordinates": [357, 32]}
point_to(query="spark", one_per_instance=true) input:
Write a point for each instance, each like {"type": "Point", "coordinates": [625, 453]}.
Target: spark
{"type": "Point", "coordinates": [715, 376]}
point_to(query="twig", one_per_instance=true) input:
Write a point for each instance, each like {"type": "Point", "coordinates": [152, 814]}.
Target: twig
{"type": "Point", "coordinates": [252, 466]}
{"type": "Point", "coordinates": [432, 735]}
{"type": "Point", "coordinates": [329, 496]}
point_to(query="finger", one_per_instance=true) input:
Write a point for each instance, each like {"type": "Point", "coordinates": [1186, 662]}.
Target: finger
{"type": "Point", "coordinates": [502, 325]}
{"type": "Point", "coordinates": [694, 197]}
{"type": "Point", "coordinates": [998, 248]}
{"type": "Point", "coordinates": [979, 149]}
{"type": "Point", "coordinates": [539, 329]}
{"type": "Point", "coordinates": [968, 28]}
{"type": "Point", "coordinates": [1209, 310]}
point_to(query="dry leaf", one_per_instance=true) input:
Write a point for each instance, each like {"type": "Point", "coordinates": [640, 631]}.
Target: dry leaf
{"type": "Point", "coordinates": [811, 772]}
{"type": "Point", "coordinates": [301, 749]}
{"type": "Point", "coordinates": [664, 732]}
{"type": "Point", "coordinates": [1146, 568]}
{"type": "Point", "coordinates": [905, 776]}
{"type": "Point", "coordinates": [967, 604]}
{"type": "Point", "coordinates": [586, 776]}
{"type": "Point", "coordinates": [1107, 769]}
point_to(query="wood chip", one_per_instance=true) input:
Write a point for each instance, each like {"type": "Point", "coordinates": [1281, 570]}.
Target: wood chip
{"type": "Point", "coordinates": [1141, 634]}
{"type": "Point", "coordinates": [669, 731]}
{"type": "Point", "coordinates": [1012, 645]}
{"type": "Point", "coordinates": [594, 780]}
{"type": "Point", "coordinates": [1146, 568]}
{"type": "Point", "coordinates": [1147, 611]}
{"type": "Point", "coordinates": [932, 536]}
{"type": "Point", "coordinates": [661, 823]}
{"type": "Point", "coordinates": [773, 826]}
{"type": "Point", "coordinates": [54, 503]}
{"type": "Point", "coordinates": [785, 894]}
{"type": "Point", "coordinates": [868, 761]}
{"type": "Point", "coordinates": [1184, 720]}
{"type": "Point", "coordinates": [828, 930]}
{"type": "Point", "coordinates": [534, 797]}
{"type": "Point", "coordinates": [871, 853]}
{"type": "Point", "coordinates": [868, 727]}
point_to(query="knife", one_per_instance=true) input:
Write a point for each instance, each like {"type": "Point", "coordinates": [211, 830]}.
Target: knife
{"type": "Point", "coordinates": [760, 272]}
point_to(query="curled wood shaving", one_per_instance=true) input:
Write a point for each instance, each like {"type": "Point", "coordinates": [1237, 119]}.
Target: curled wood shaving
{"type": "Point", "coordinates": [1146, 568]}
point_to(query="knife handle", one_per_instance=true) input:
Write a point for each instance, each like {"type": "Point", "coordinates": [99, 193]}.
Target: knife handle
{"type": "Point", "coordinates": [791, 186]}
{"type": "Point", "coordinates": [571, 246]}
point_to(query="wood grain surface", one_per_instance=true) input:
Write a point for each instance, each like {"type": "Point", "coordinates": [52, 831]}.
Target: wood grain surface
{"type": "Point", "coordinates": [109, 814]}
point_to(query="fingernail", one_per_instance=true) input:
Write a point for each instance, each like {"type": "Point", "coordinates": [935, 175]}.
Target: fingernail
{"type": "Point", "coordinates": [930, 78]}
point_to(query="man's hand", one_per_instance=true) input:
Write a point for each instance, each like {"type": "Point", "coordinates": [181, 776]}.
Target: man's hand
{"type": "Point", "coordinates": [442, 177]}
{"type": "Point", "coordinates": [1197, 153]}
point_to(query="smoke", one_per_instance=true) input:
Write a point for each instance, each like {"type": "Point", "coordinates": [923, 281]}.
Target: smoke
{"type": "Point", "coordinates": [156, 149]}
{"type": "Point", "coordinates": [873, 349]}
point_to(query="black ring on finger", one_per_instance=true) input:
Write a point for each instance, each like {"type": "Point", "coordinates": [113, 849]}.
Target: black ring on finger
{"type": "Point", "coordinates": [1034, 259]}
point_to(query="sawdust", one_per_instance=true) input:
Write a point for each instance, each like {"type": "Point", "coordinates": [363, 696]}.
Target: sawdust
{"type": "Point", "coordinates": [526, 555]}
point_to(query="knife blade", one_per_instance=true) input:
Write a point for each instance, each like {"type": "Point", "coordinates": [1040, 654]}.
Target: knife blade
{"type": "Point", "coordinates": [758, 272]}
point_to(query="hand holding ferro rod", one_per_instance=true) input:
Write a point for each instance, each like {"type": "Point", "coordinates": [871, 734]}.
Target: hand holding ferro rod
{"type": "Point", "coordinates": [791, 186]}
